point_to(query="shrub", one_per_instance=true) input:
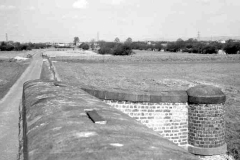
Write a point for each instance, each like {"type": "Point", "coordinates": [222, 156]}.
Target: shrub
{"type": "Point", "coordinates": [115, 48]}
{"type": "Point", "coordinates": [84, 46]}
{"type": "Point", "coordinates": [232, 48]}
{"type": "Point", "coordinates": [104, 50]}
{"type": "Point", "coordinates": [29, 56]}
{"type": "Point", "coordinates": [122, 49]}
{"type": "Point", "coordinates": [209, 49]}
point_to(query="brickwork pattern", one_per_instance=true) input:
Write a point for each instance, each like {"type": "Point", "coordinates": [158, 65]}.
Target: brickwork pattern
{"type": "Point", "coordinates": [206, 125]}
{"type": "Point", "coordinates": [169, 119]}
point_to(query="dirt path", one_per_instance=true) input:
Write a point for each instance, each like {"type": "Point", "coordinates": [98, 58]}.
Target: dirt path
{"type": "Point", "coordinates": [9, 111]}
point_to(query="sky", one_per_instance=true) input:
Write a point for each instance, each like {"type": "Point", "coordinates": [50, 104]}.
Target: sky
{"type": "Point", "coordinates": [62, 20]}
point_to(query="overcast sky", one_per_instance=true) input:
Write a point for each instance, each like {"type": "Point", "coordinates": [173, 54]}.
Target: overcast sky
{"type": "Point", "coordinates": [61, 20]}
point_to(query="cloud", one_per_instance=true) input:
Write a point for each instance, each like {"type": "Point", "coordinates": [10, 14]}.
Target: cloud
{"type": "Point", "coordinates": [3, 7]}
{"type": "Point", "coordinates": [80, 4]}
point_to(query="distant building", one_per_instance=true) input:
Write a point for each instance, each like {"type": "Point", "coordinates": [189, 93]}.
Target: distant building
{"type": "Point", "coordinates": [164, 44]}
{"type": "Point", "coordinates": [149, 42]}
{"type": "Point", "coordinates": [78, 43]}
{"type": "Point", "coordinates": [63, 44]}
{"type": "Point", "coordinates": [222, 52]}
{"type": "Point", "coordinates": [222, 41]}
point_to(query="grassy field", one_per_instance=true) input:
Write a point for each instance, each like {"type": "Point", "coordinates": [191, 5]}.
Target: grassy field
{"type": "Point", "coordinates": [10, 71]}
{"type": "Point", "coordinates": [158, 71]}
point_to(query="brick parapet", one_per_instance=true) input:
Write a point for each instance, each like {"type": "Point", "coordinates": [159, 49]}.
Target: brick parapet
{"type": "Point", "coordinates": [203, 108]}
{"type": "Point", "coordinates": [168, 119]}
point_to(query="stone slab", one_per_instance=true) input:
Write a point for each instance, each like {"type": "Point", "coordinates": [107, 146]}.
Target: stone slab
{"type": "Point", "coordinates": [208, 151]}
{"type": "Point", "coordinates": [150, 97]}
{"type": "Point", "coordinates": [205, 94]}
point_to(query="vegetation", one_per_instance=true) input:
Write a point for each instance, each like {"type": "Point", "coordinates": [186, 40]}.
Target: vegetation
{"type": "Point", "coordinates": [16, 46]}
{"type": "Point", "coordinates": [9, 74]}
{"type": "Point", "coordinates": [84, 46]}
{"type": "Point", "coordinates": [114, 48]}
{"type": "Point", "coordinates": [76, 40]}
{"type": "Point", "coordinates": [128, 40]}
{"type": "Point", "coordinates": [190, 46]}
{"type": "Point", "coordinates": [117, 40]}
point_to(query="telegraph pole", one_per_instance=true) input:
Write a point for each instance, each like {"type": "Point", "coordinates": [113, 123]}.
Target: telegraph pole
{"type": "Point", "coordinates": [6, 37]}
{"type": "Point", "coordinates": [97, 36]}
{"type": "Point", "coordinates": [198, 36]}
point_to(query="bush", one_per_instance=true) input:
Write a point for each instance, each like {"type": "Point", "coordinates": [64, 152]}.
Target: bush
{"type": "Point", "coordinates": [16, 46]}
{"type": "Point", "coordinates": [122, 49]}
{"type": "Point", "coordinates": [232, 48]}
{"type": "Point", "coordinates": [104, 50]}
{"type": "Point", "coordinates": [84, 46]}
{"type": "Point", "coordinates": [115, 49]}
{"type": "Point", "coordinates": [209, 50]}
{"type": "Point", "coordinates": [29, 56]}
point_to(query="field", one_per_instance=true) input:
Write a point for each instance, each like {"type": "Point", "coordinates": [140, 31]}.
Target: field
{"type": "Point", "coordinates": [146, 71]}
{"type": "Point", "coordinates": [10, 71]}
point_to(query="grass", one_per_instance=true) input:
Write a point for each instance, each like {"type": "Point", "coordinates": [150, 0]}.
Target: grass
{"type": "Point", "coordinates": [9, 73]}
{"type": "Point", "coordinates": [159, 71]}
{"type": "Point", "coordinates": [12, 54]}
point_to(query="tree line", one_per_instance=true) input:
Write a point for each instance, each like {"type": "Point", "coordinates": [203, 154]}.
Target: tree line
{"type": "Point", "coordinates": [17, 46]}
{"type": "Point", "coordinates": [203, 47]}
{"type": "Point", "coordinates": [190, 46]}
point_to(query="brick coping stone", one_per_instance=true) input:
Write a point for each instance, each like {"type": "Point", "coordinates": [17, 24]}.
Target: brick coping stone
{"type": "Point", "coordinates": [208, 151]}
{"type": "Point", "coordinates": [205, 94]}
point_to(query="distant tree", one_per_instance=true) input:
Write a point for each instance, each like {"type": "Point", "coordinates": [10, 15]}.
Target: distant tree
{"type": "Point", "coordinates": [191, 40]}
{"type": "Point", "coordinates": [122, 49]}
{"type": "Point", "coordinates": [180, 44]}
{"type": "Point", "coordinates": [92, 43]}
{"type": "Point", "coordinates": [180, 40]}
{"type": "Point", "coordinates": [231, 47]}
{"type": "Point", "coordinates": [84, 46]}
{"type": "Point", "coordinates": [158, 46]}
{"type": "Point", "coordinates": [117, 40]}
{"type": "Point", "coordinates": [209, 49]}
{"type": "Point", "coordinates": [75, 40]}
{"type": "Point", "coordinates": [128, 40]}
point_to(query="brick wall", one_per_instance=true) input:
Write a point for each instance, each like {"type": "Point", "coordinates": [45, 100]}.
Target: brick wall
{"type": "Point", "coordinates": [169, 119]}
{"type": "Point", "coordinates": [192, 119]}
{"type": "Point", "coordinates": [206, 125]}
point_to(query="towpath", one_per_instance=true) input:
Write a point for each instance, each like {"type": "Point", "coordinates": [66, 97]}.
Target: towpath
{"type": "Point", "coordinates": [9, 111]}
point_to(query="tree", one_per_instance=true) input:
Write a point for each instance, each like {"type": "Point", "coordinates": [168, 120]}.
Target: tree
{"type": "Point", "coordinates": [128, 40]}
{"type": "Point", "coordinates": [180, 44]}
{"type": "Point", "coordinates": [191, 40]}
{"type": "Point", "coordinates": [75, 40]}
{"type": "Point", "coordinates": [117, 40]}
{"type": "Point", "coordinates": [92, 44]}
{"type": "Point", "coordinates": [158, 46]}
{"type": "Point", "coordinates": [231, 47]}
{"type": "Point", "coordinates": [180, 40]}
{"type": "Point", "coordinates": [84, 46]}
